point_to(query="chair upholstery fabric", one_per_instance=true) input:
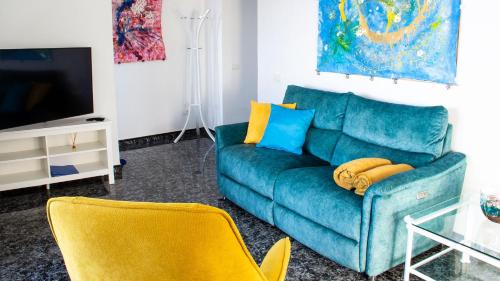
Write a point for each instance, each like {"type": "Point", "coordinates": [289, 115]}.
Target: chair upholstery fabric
{"type": "Point", "coordinates": [112, 240]}
{"type": "Point", "coordinates": [366, 234]}
{"type": "Point", "coordinates": [276, 261]}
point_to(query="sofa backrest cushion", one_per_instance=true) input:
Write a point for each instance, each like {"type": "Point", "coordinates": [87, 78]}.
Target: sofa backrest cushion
{"type": "Point", "coordinates": [349, 148]}
{"type": "Point", "coordinates": [347, 127]}
{"type": "Point", "coordinates": [326, 127]}
{"type": "Point", "coordinates": [401, 127]}
{"type": "Point", "coordinates": [448, 139]}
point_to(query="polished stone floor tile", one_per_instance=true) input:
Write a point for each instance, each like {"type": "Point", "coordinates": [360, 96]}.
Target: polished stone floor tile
{"type": "Point", "coordinates": [165, 173]}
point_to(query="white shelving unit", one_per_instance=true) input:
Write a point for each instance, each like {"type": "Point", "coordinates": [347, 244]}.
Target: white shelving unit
{"type": "Point", "coordinates": [27, 153]}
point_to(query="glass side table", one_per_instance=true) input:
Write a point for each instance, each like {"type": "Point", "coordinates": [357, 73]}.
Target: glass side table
{"type": "Point", "coordinates": [461, 227]}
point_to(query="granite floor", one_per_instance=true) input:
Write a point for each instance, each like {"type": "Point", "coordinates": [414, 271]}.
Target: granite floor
{"type": "Point", "coordinates": [165, 173]}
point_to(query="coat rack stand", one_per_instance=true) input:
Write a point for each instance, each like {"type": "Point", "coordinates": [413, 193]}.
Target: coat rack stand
{"type": "Point", "coordinates": [194, 51]}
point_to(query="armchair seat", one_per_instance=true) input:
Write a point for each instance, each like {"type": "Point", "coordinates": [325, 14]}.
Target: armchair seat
{"type": "Point", "coordinates": [320, 200]}
{"type": "Point", "coordinates": [258, 168]}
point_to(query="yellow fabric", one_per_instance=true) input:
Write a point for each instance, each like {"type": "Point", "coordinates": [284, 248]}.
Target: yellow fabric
{"type": "Point", "coordinates": [259, 116]}
{"type": "Point", "coordinates": [113, 240]}
{"type": "Point", "coordinates": [345, 174]}
{"type": "Point", "coordinates": [364, 180]}
{"type": "Point", "coordinates": [275, 263]}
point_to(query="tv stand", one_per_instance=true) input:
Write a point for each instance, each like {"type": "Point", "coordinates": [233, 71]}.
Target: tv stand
{"type": "Point", "coordinates": [27, 154]}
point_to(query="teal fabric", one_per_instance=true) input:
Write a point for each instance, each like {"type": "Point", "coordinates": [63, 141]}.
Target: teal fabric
{"type": "Point", "coordinates": [330, 107]}
{"type": "Point", "coordinates": [247, 199]}
{"type": "Point", "coordinates": [383, 233]}
{"type": "Point", "coordinates": [402, 127]}
{"type": "Point", "coordinates": [232, 134]}
{"type": "Point", "coordinates": [287, 129]}
{"type": "Point", "coordinates": [225, 136]}
{"type": "Point", "coordinates": [370, 237]}
{"type": "Point", "coordinates": [312, 193]}
{"type": "Point", "coordinates": [349, 148]}
{"type": "Point", "coordinates": [448, 139]}
{"type": "Point", "coordinates": [325, 241]}
{"type": "Point", "coordinates": [327, 122]}
{"type": "Point", "coordinates": [258, 168]}
{"type": "Point", "coordinates": [321, 143]}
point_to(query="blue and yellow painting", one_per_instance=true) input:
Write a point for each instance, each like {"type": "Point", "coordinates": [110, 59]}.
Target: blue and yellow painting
{"type": "Point", "coordinates": [415, 39]}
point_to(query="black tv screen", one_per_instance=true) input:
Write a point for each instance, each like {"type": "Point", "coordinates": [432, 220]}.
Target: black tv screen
{"type": "Point", "coordinates": [40, 85]}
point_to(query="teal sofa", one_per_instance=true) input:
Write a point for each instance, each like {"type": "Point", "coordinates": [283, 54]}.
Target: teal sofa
{"type": "Point", "coordinates": [297, 194]}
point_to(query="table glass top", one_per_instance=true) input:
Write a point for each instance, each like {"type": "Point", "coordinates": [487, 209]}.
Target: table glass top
{"type": "Point", "coordinates": [463, 223]}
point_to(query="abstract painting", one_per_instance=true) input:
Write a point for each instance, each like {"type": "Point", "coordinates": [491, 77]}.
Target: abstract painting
{"type": "Point", "coordinates": [137, 31]}
{"type": "Point", "coordinates": [415, 39]}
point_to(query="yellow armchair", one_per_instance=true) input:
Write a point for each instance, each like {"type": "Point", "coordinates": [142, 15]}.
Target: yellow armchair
{"type": "Point", "coordinates": [114, 240]}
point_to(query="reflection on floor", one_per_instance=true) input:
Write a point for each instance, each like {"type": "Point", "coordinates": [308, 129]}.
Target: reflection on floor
{"type": "Point", "coordinates": [165, 173]}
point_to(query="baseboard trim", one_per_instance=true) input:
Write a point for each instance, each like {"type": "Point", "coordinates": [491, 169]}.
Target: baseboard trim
{"type": "Point", "coordinates": [160, 139]}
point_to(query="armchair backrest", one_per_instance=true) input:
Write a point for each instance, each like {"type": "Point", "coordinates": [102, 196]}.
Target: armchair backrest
{"type": "Point", "coordinates": [112, 240]}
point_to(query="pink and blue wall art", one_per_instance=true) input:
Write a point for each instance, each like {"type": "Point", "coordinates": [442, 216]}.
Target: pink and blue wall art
{"type": "Point", "coordinates": [137, 31]}
{"type": "Point", "coordinates": [414, 39]}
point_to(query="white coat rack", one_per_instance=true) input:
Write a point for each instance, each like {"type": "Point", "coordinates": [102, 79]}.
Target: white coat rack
{"type": "Point", "coordinates": [195, 101]}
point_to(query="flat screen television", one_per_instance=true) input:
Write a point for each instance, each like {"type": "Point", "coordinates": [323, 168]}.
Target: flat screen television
{"type": "Point", "coordinates": [40, 85]}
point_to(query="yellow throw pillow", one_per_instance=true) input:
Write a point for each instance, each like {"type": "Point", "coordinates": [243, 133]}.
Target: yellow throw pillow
{"type": "Point", "coordinates": [259, 116]}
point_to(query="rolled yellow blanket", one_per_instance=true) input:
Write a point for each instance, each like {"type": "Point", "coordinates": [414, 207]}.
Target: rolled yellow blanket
{"type": "Point", "coordinates": [345, 174]}
{"type": "Point", "coordinates": [365, 179]}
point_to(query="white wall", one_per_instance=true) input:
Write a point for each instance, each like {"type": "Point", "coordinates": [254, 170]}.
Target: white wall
{"type": "Point", "coordinates": [151, 94]}
{"type": "Point", "coordinates": [287, 38]}
{"type": "Point", "coordinates": [239, 37]}
{"type": "Point", "coordinates": [67, 23]}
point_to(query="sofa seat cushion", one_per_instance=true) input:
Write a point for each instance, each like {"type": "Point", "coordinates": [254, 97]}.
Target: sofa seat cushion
{"type": "Point", "coordinates": [312, 193]}
{"type": "Point", "coordinates": [258, 168]}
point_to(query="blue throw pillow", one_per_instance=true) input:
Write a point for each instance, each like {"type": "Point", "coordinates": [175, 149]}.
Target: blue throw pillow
{"type": "Point", "coordinates": [287, 129]}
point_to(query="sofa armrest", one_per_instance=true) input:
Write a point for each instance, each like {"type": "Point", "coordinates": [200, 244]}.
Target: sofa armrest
{"type": "Point", "coordinates": [232, 134]}
{"type": "Point", "coordinates": [415, 179]}
{"type": "Point", "coordinates": [383, 231]}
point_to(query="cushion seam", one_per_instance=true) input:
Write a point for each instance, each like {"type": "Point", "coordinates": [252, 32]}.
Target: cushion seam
{"type": "Point", "coordinates": [246, 186]}
{"type": "Point", "coordinates": [434, 157]}
{"type": "Point", "coordinates": [331, 229]}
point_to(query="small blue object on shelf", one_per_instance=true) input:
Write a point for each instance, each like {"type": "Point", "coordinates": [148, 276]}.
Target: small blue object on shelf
{"type": "Point", "coordinates": [59, 171]}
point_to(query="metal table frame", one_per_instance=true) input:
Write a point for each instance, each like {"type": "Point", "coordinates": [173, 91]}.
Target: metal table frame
{"type": "Point", "coordinates": [467, 252]}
